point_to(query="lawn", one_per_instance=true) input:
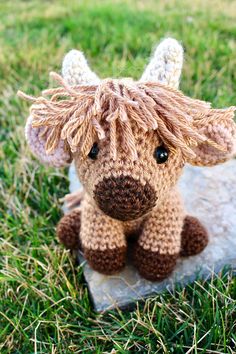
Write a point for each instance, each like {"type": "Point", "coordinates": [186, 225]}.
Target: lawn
{"type": "Point", "coordinates": [44, 302]}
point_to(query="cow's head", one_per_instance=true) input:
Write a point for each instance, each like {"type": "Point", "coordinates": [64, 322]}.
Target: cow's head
{"type": "Point", "coordinates": [129, 139]}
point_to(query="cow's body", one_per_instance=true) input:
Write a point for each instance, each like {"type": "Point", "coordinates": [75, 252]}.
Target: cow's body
{"type": "Point", "coordinates": [129, 141]}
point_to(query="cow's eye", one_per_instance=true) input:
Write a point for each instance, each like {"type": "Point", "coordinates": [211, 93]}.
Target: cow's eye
{"type": "Point", "coordinates": [93, 153]}
{"type": "Point", "coordinates": [161, 154]}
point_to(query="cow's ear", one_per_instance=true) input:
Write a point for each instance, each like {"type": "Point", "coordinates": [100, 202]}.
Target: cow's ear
{"type": "Point", "coordinates": [220, 129]}
{"type": "Point", "coordinates": [75, 71]}
{"type": "Point", "coordinates": [165, 65]}
{"type": "Point", "coordinates": [36, 138]}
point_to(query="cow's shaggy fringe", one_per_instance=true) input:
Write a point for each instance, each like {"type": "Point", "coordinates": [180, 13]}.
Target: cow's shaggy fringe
{"type": "Point", "coordinates": [77, 115]}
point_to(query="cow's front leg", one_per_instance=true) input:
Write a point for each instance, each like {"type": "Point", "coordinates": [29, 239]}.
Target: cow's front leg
{"type": "Point", "coordinates": [158, 246]}
{"type": "Point", "coordinates": [103, 240]}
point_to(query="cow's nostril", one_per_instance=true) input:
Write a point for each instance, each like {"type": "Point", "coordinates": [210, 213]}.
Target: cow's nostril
{"type": "Point", "coordinates": [124, 198]}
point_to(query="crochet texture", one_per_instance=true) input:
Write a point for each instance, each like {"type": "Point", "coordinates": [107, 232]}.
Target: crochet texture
{"type": "Point", "coordinates": [129, 141]}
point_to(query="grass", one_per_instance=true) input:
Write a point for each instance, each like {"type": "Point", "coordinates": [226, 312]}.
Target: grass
{"type": "Point", "coordinates": [44, 303]}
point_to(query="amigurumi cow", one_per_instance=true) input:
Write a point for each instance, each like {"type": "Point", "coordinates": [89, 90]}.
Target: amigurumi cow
{"type": "Point", "coordinates": [129, 141]}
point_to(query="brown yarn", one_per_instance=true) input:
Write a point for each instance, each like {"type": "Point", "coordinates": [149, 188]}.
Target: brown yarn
{"type": "Point", "coordinates": [109, 261]}
{"type": "Point", "coordinates": [68, 230]}
{"type": "Point", "coordinates": [76, 114]}
{"type": "Point", "coordinates": [153, 265]}
{"type": "Point", "coordinates": [124, 198]}
{"type": "Point", "coordinates": [194, 237]}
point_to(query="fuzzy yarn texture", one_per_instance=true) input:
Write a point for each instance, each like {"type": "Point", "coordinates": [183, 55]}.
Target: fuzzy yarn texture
{"type": "Point", "coordinates": [129, 141]}
{"type": "Point", "coordinates": [209, 195]}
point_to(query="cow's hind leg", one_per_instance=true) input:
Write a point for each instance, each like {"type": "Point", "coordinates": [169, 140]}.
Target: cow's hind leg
{"type": "Point", "coordinates": [68, 230]}
{"type": "Point", "coordinates": [194, 237]}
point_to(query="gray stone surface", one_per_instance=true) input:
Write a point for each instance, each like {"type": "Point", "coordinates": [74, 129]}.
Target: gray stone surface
{"type": "Point", "coordinates": [209, 194]}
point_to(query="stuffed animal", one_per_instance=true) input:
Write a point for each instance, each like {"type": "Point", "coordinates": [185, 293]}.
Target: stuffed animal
{"type": "Point", "coordinates": [129, 141]}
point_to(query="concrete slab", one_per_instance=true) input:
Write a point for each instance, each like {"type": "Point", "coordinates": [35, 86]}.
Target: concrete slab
{"type": "Point", "coordinates": [210, 195]}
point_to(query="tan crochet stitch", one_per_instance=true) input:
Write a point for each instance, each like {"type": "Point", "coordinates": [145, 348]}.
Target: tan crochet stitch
{"type": "Point", "coordinates": [116, 130]}
{"type": "Point", "coordinates": [78, 120]}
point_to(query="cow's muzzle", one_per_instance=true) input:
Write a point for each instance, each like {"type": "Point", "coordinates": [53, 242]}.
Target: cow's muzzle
{"type": "Point", "coordinates": [124, 198]}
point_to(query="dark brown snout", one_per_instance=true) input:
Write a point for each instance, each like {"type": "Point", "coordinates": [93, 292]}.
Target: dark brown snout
{"type": "Point", "coordinates": [124, 198]}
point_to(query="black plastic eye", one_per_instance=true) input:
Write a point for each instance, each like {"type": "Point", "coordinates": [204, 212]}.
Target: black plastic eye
{"type": "Point", "coordinates": [93, 153]}
{"type": "Point", "coordinates": [161, 154]}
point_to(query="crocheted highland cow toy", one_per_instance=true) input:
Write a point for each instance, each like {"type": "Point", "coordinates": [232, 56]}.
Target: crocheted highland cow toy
{"type": "Point", "coordinates": [129, 141]}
